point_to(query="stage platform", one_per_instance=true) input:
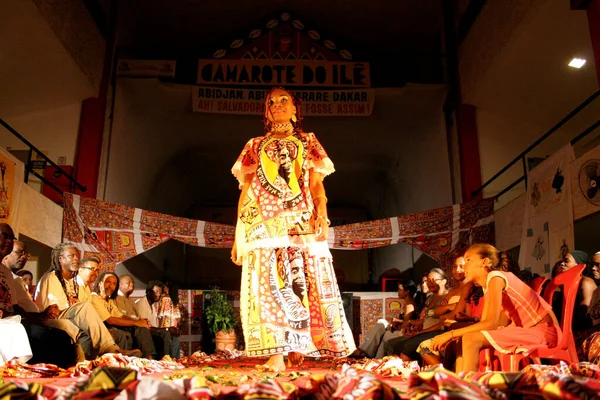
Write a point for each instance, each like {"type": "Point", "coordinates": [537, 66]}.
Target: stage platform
{"type": "Point", "coordinates": [204, 377]}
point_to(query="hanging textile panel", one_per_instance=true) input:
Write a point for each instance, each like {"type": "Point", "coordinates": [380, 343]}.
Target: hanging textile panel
{"type": "Point", "coordinates": [115, 233]}
{"type": "Point", "coordinates": [548, 224]}
{"type": "Point", "coordinates": [443, 233]}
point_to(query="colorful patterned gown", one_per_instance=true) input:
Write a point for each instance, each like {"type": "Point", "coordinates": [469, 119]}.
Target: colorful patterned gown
{"type": "Point", "coordinates": [290, 300]}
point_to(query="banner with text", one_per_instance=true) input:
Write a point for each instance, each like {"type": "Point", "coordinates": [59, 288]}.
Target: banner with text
{"type": "Point", "coordinates": [324, 103]}
{"type": "Point", "coordinates": [284, 72]}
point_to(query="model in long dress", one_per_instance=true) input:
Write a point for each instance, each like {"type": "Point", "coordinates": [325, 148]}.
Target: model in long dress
{"type": "Point", "coordinates": [290, 300]}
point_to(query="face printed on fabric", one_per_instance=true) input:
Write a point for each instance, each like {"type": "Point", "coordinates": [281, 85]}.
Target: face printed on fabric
{"type": "Point", "coordinates": [109, 285]}
{"type": "Point", "coordinates": [298, 278]}
{"type": "Point", "coordinates": [280, 107]}
{"type": "Point", "coordinates": [69, 259]}
{"type": "Point", "coordinates": [284, 156]}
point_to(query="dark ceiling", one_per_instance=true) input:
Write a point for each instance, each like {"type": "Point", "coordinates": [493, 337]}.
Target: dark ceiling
{"type": "Point", "coordinates": [401, 39]}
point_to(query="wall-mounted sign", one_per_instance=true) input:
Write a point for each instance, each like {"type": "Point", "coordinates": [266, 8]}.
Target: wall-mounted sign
{"type": "Point", "coordinates": [283, 72]}
{"type": "Point", "coordinates": [146, 68]}
{"type": "Point", "coordinates": [324, 103]}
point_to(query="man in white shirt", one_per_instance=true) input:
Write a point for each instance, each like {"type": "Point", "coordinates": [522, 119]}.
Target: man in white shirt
{"type": "Point", "coordinates": [161, 337]}
{"type": "Point", "coordinates": [59, 286]}
{"type": "Point", "coordinates": [103, 299]}
{"type": "Point", "coordinates": [13, 338]}
{"type": "Point", "coordinates": [144, 305]}
{"type": "Point", "coordinates": [14, 342]}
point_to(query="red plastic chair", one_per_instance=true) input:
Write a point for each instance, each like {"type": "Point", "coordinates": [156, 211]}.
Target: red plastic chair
{"type": "Point", "coordinates": [538, 284]}
{"type": "Point", "coordinates": [565, 350]}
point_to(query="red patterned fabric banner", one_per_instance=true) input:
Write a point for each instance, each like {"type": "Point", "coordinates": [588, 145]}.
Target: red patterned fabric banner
{"type": "Point", "coordinates": [115, 233]}
{"type": "Point", "coordinates": [442, 233]}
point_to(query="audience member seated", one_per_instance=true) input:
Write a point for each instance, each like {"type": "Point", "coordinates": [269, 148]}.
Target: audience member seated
{"type": "Point", "coordinates": [59, 287]}
{"type": "Point", "coordinates": [27, 277]}
{"type": "Point", "coordinates": [581, 320]}
{"type": "Point", "coordinates": [373, 344]}
{"type": "Point", "coordinates": [468, 311]}
{"type": "Point", "coordinates": [408, 349]}
{"type": "Point", "coordinates": [13, 337]}
{"type": "Point", "coordinates": [422, 295]}
{"type": "Point", "coordinates": [595, 269]}
{"type": "Point", "coordinates": [168, 314]}
{"type": "Point", "coordinates": [146, 307]}
{"type": "Point", "coordinates": [89, 268]}
{"type": "Point", "coordinates": [556, 269]}
{"type": "Point", "coordinates": [103, 296]}
{"type": "Point", "coordinates": [63, 352]}
{"type": "Point", "coordinates": [508, 264]}
{"type": "Point", "coordinates": [533, 325]}
{"type": "Point", "coordinates": [429, 323]}
{"type": "Point", "coordinates": [87, 276]}
{"type": "Point", "coordinates": [161, 337]}
{"type": "Point", "coordinates": [15, 261]}
{"type": "Point", "coordinates": [454, 295]}
{"type": "Point", "coordinates": [588, 341]}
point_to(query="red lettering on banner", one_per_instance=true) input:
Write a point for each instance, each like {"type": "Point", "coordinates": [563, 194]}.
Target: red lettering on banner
{"type": "Point", "coordinates": [205, 105]}
{"type": "Point", "coordinates": [351, 109]}
{"type": "Point", "coordinates": [318, 108]}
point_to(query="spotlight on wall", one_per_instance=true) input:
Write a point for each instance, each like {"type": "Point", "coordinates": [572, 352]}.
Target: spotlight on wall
{"type": "Point", "coordinates": [577, 63]}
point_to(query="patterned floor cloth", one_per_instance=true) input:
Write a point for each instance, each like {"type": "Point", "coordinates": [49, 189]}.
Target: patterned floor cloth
{"type": "Point", "coordinates": [232, 376]}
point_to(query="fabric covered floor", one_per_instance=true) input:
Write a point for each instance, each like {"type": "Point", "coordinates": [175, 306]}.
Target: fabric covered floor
{"type": "Point", "coordinates": [231, 376]}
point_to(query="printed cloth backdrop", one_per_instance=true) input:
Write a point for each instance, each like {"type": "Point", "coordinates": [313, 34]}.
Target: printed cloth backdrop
{"type": "Point", "coordinates": [115, 233]}
{"type": "Point", "coordinates": [548, 224]}
{"type": "Point", "coordinates": [11, 180]}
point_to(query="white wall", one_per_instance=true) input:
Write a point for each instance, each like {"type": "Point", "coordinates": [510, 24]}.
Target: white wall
{"type": "Point", "coordinates": [54, 132]}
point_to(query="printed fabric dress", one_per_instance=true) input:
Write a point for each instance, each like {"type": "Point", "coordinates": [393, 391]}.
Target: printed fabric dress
{"type": "Point", "coordinates": [290, 300]}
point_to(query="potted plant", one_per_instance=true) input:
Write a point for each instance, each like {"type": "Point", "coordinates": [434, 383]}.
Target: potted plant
{"type": "Point", "coordinates": [221, 318]}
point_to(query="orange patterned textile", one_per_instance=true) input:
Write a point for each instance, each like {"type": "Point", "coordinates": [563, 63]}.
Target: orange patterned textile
{"type": "Point", "coordinates": [115, 232]}
{"type": "Point", "coordinates": [443, 233]}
